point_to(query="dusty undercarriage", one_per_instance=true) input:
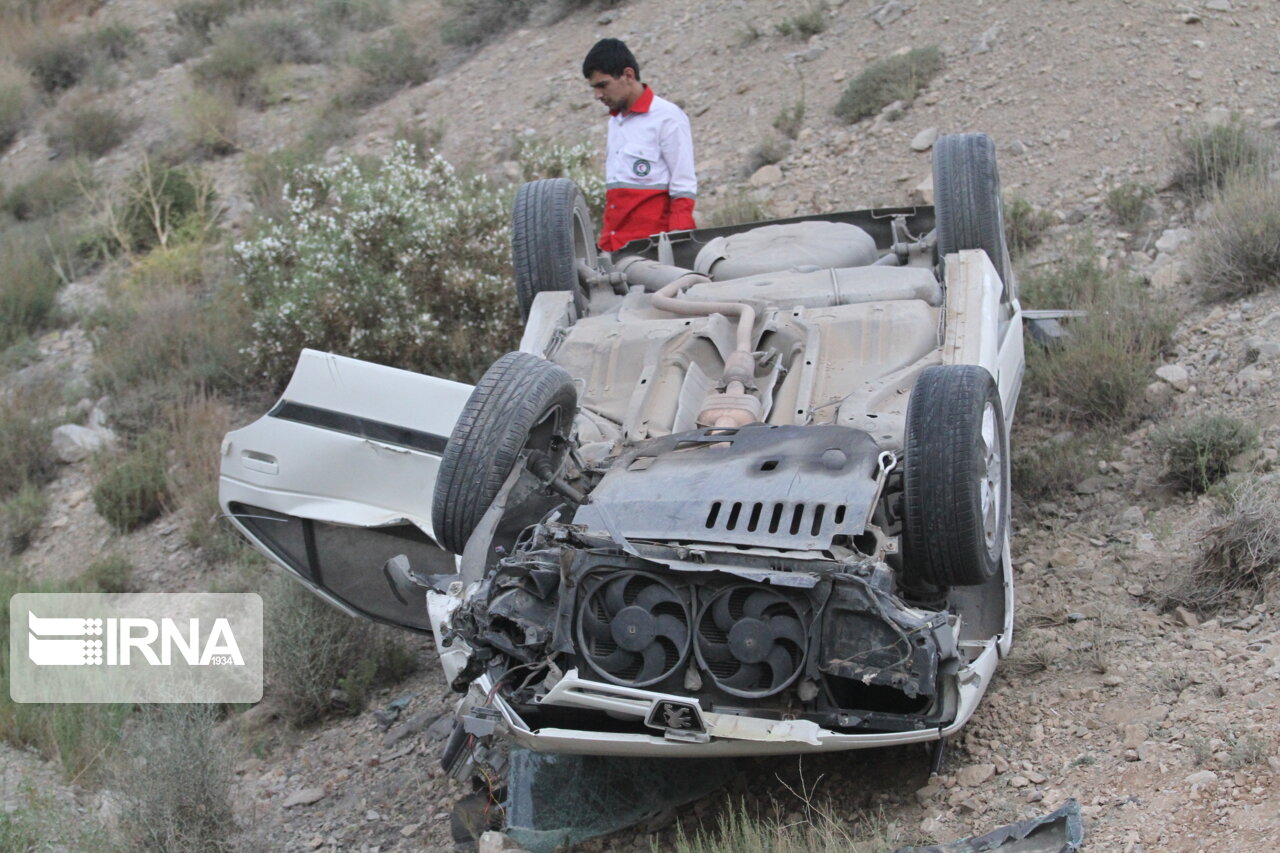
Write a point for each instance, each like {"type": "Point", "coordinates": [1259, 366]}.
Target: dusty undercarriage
{"type": "Point", "coordinates": [741, 490]}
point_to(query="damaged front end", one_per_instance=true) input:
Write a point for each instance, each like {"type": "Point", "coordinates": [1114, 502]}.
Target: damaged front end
{"type": "Point", "coordinates": [669, 614]}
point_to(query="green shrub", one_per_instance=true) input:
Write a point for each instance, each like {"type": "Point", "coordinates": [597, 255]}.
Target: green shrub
{"type": "Point", "coordinates": [80, 737]}
{"type": "Point", "coordinates": [896, 78]}
{"type": "Point", "coordinates": [198, 18]}
{"type": "Point", "coordinates": [164, 205]}
{"type": "Point", "coordinates": [111, 572]}
{"type": "Point", "coordinates": [804, 24]}
{"type": "Point", "coordinates": [390, 64]}
{"type": "Point", "coordinates": [408, 265]}
{"type": "Point", "coordinates": [48, 191]}
{"type": "Point", "coordinates": [179, 267]}
{"type": "Point", "coordinates": [360, 15]}
{"type": "Point", "coordinates": [789, 120]}
{"type": "Point", "coordinates": [57, 61]}
{"type": "Point", "coordinates": [1127, 204]}
{"type": "Point", "coordinates": [313, 648]}
{"type": "Point", "coordinates": [1237, 249]}
{"type": "Point", "coordinates": [15, 103]}
{"type": "Point", "coordinates": [115, 41]}
{"type": "Point", "coordinates": [26, 456]}
{"type": "Point", "coordinates": [208, 122]}
{"type": "Point", "coordinates": [22, 515]}
{"type": "Point", "coordinates": [1099, 372]}
{"type": "Point", "coordinates": [1024, 224]}
{"type": "Point", "coordinates": [28, 287]}
{"type": "Point", "coordinates": [251, 43]}
{"type": "Point", "coordinates": [474, 21]}
{"type": "Point", "coordinates": [87, 129]}
{"type": "Point", "coordinates": [1209, 156]}
{"type": "Point", "coordinates": [176, 780]}
{"type": "Point", "coordinates": [133, 489]}
{"type": "Point", "coordinates": [1198, 452]}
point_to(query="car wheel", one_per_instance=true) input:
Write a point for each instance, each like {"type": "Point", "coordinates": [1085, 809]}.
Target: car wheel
{"type": "Point", "coordinates": [522, 402]}
{"type": "Point", "coordinates": [551, 232]}
{"type": "Point", "coordinates": [968, 210]}
{"type": "Point", "coordinates": [956, 477]}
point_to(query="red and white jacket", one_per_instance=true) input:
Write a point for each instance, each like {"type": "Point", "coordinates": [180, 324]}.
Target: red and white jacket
{"type": "Point", "coordinates": [650, 181]}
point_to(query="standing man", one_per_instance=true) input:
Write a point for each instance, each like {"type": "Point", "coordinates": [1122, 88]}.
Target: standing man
{"type": "Point", "coordinates": [650, 181]}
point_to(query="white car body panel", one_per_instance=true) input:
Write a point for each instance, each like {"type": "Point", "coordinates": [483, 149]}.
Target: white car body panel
{"type": "Point", "coordinates": [354, 446]}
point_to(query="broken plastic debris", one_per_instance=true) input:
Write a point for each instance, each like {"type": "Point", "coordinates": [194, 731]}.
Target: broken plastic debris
{"type": "Point", "coordinates": [1060, 831]}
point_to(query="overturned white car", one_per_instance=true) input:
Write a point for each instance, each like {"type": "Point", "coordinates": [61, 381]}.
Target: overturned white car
{"type": "Point", "coordinates": [742, 490]}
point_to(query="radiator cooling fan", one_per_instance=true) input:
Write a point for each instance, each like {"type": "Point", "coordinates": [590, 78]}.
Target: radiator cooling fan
{"type": "Point", "coordinates": [633, 628]}
{"type": "Point", "coordinates": [751, 640]}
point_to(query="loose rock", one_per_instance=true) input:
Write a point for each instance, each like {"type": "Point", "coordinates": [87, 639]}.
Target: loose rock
{"type": "Point", "coordinates": [924, 140]}
{"type": "Point", "coordinates": [304, 797]}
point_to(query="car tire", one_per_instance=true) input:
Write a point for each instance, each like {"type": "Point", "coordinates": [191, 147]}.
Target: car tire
{"type": "Point", "coordinates": [522, 401]}
{"type": "Point", "coordinates": [968, 210]}
{"type": "Point", "coordinates": [551, 231]}
{"type": "Point", "coordinates": [956, 477]}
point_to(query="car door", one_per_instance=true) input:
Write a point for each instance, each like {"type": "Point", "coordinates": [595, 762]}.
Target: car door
{"type": "Point", "coordinates": [337, 480]}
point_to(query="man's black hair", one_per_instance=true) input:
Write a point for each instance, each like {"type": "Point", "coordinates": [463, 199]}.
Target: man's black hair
{"type": "Point", "coordinates": [609, 56]}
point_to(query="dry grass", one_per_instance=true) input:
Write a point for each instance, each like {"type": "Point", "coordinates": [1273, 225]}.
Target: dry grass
{"type": "Point", "coordinates": [804, 25]}
{"type": "Point", "coordinates": [1098, 372]}
{"type": "Point", "coordinates": [55, 60]}
{"type": "Point", "coordinates": [1211, 156]}
{"type": "Point", "coordinates": [319, 659]}
{"type": "Point", "coordinates": [26, 456]}
{"type": "Point", "coordinates": [88, 128]}
{"type": "Point", "coordinates": [1047, 469]}
{"type": "Point", "coordinates": [1237, 250]}
{"type": "Point", "coordinates": [196, 426]}
{"type": "Point", "coordinates": [820, 830]}
{"type": "Point", "coordinates": [16, 101]}
{"type": "Point", "coordinates": [176, 778]}
{"type": "Point", "coordinates": [29, 286]}
{"type": "Point", "coordinates": [1127, 204]}
{"type": "Point", "coordinates": [1024, 224]}
{"type": "Point", "coordinates": [734, 209]}
{"type": "Point", "coordinates": [896, 78]}
{"type": "Point", "coordinates": [770, 150]}
{"type": "Point", "coordinates": [789, 120]}
{"type": "Point", "coordinates": [388, 64]}
{"type": "Point", "coordinates": [112, 572]}
{"type": "Point", "coordinates": [22, 515]}
{"type": "Point", "coordinates": [208, 122]}
{"type": "Point", "coordinates": [81, 738]}
{"type": "Point", "coordinates": [1239, 554]}
{"type": "Point", "coordinates": [251, 43]}
{"type": "Point", "coordinates": [48, 190]}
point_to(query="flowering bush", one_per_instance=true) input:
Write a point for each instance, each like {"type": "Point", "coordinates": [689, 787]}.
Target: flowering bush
{"type": "Point", "coordinates": [408, 265]}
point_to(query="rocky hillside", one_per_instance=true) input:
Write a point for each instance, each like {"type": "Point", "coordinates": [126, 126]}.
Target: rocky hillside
{"type": "Point", "coordinates": [1156, 714]}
